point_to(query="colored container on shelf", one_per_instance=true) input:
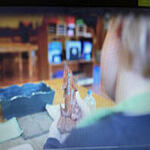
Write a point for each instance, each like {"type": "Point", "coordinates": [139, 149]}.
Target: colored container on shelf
{"type": "Point", "coordinates": [54, 20]}
{"type": "Point", "coordinates": [70, 20]}
{"type": "Point", "coordinates": [97, 75]}
{"type": "Point", "coordinates": [79, 22]}
{"type": "Point", "coordinates": [59, 74]}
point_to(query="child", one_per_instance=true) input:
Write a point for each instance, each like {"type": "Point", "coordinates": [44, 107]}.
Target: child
{"type": "Point", "coordinates": [109, 59]}
{"type": "Point", "coordinates": [127, 124]}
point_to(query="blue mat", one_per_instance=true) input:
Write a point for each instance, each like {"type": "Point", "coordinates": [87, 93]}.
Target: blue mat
{"type": "Point", "coordinates": [30, 98]}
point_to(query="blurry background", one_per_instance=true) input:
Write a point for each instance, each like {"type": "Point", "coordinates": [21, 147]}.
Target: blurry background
{"type": "Point", "coordinates": [35, 42]}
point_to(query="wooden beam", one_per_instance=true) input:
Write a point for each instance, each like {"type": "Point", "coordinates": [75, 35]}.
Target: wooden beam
{"type": "Point", "coordinates": [42, 53]}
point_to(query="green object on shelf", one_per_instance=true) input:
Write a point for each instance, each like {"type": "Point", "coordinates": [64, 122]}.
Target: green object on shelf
{"type": "Point", "coordinates": [79, 22]}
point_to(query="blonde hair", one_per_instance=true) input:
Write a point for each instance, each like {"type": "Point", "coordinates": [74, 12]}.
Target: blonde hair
{"type": "Point", "coordinates": [135, 39]}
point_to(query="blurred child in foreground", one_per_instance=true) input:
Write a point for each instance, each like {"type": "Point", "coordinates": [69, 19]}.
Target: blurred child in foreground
{"type": "Point", "coordinates": [128, 122]}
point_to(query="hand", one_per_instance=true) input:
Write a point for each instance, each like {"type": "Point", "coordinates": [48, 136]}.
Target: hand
{"type": "Point", "coordinates": [84, 107]}
{"type": "Point", "coordinates": [54, 132]}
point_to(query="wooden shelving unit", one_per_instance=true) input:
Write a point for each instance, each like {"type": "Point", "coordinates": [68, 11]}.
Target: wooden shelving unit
{"type": "Point", "coordinates": [78, 65]}
{"type": "Point", "coordinates": [16, 64]}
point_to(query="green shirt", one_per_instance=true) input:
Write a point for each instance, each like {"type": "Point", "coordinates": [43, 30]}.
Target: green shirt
{"type": "Point", "coordinates": [135, 105]}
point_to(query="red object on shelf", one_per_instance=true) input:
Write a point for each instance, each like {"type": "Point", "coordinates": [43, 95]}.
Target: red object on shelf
{"type": "Point", "coordinates": [53, 20]}
{"type": "Point", "coordinates": [26, 23]}
{"type": "Point", "coordinates": [70, 20]}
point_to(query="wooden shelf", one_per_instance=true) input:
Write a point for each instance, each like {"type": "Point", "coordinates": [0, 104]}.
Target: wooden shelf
{"type": "Point", "coordinates": [78, 65]}
{"type": "Point", "coordinates": [51, 36]}
{"type": "Point", "coordinates": [73, 62]}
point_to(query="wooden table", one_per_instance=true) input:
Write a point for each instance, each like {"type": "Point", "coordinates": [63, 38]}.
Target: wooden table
{"type": "Point", "coordinates": [56, 84]}
{"type": "Point", "coordinates": [19, 48]}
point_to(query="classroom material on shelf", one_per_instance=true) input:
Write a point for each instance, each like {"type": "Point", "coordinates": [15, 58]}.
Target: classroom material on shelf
{"type": "Point", "coordinates": [73, 50]}
{"type": "Point", "coordinates": [72, 111]}
{"type": "Point", "coordinates": [54, 52]}
{"type": "Point", "coordinates": [97, 75]}
{"type": "Point", "coordinates": [52, 25]}
{"type": "Point", "coordinates": [70, 21]}
{"type": "Point", "coordinates": [52, 28]}
{"type": "Point", "coordinates": [80, 28]}
{"type": "Point", "coordinates": [78, 75]}
{"type": "Point", "coordinates": [71, 30]}
{"type": "Point", "coordinates": [58, 74]}
{"type": "Point", "coordinates": [86, 50]}
{"type": "Point", "coordinates": [85, 81]}
{"type": "Point", "coordinates": [81, 79]}
{"type": "Point", "coordinates": [67, 26]}
{"type": "Point", "coordinates": [61, 29]}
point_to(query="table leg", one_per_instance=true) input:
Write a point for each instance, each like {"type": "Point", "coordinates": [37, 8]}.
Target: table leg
{"type": "Point", "coordinates": [30, 65]}
{"type": "Point", "coordinates": [3, 69]}
{"type": "Point", "coordinates": [20, 66]}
